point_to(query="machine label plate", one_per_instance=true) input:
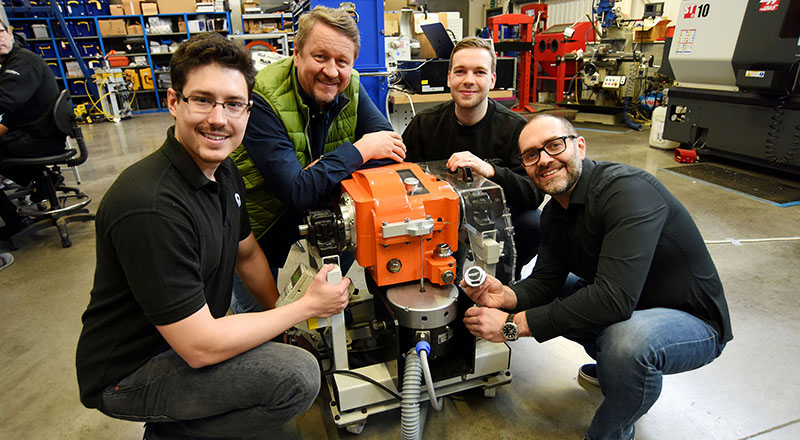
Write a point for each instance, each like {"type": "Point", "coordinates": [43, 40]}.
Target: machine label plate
{"type": "Point", "coordinates": [769, 5]}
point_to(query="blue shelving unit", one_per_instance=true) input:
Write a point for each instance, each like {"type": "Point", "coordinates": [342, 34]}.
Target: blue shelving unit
{"type": "Point", "coordinates": [77, 38]}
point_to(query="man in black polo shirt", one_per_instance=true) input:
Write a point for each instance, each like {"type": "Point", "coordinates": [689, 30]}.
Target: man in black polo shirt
{"type": "Point", "coordinates": [652, 302]}
{"type": "Point", "coordinates": [156, 345]}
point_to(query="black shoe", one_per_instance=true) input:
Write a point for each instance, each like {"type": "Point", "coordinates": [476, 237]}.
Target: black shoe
{"type": "Point", "coordinates": [588, 373]}
{"type": "Point", "coordinates": [8, 231]}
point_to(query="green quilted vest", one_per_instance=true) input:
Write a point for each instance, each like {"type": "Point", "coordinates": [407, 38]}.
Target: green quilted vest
{"type": "Point", "coordinates": [277, 84]}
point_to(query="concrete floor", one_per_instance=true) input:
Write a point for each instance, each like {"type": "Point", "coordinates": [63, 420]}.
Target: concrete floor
{"type": "Point", "coordinates": [749, 392]}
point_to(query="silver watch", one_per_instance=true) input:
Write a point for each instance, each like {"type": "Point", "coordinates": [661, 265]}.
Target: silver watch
{"type": "Point", "coordinates": [509, 329]}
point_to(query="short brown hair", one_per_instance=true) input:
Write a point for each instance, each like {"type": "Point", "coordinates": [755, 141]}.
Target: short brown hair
{"type": "Point", "coordinates": [204, 49]}
{"type": "Point", "coordinates": [338, 19]}
{"type": "Point", "coordinates": [475, 43]}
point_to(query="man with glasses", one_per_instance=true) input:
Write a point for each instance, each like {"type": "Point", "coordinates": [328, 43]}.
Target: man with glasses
{"type": "Point", "coordinates": [28, 91]}
{"type": "Point", "coordinates": [312, 125]}
{"type": "Point", "coordinates": [651, 303]}
{"type": "Point", "coordinates": [156, 344]}
{"type": "Point", "coordinates": [474, 131]}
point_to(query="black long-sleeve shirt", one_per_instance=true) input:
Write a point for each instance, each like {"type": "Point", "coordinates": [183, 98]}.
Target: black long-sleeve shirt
{"type": "Point", "coordinates": [28, 90]}
{"type": "Point", "coordinates": [635, 245]}
{"type": "Point", "coordinates": [435, 134]}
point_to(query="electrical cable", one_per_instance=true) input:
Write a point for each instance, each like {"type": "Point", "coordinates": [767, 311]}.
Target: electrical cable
{"type": "Point", "coordinates": [364, 378]}
{"type": "Point", "coordinates": [410, 101]}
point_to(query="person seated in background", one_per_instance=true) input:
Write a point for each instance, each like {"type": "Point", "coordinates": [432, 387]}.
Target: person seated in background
{"type": "Point", "coordinates": [28, 90]}
{"type": "Point", "coordinates": [311, 126]}
{"type": "Point", "coordinates": [156, 344]}
{"type": "Point", "coordinates": [474, 131]}
{"type": "Point", "coordinates": [651, 301]}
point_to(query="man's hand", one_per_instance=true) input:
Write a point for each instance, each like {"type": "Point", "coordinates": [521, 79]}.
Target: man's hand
{"type": "Point", "coordinates": [485, 323]}
{"type": "Point", "coordinates": [492, 293]}
{"type": "Point", "coordinates": [381, 145]}
{"type": "Point", "coordinates": [467, 159]}
{"type": "Point", "coordinates": [324, 299]}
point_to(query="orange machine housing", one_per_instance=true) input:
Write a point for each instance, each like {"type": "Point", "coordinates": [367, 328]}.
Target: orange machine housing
{"type": "Point", "coordinates": [383, 207]}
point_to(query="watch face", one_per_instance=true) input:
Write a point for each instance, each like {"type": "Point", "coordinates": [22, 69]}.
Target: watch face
{"type": "Point", "coordinates": [510, 331]}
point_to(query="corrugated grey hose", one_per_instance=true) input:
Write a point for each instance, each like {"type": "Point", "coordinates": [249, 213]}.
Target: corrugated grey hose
{"type": "Point", "coordinates": [409, 405]}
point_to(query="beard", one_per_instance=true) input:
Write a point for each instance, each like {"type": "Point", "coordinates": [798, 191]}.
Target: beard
{"type": "Point", "coordinates": [573, 166]}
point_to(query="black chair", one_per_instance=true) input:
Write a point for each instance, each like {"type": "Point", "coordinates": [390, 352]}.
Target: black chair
{"type": "Point", "coordinates": [51, 203]}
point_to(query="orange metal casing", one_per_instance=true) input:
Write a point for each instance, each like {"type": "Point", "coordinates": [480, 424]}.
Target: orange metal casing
{"type": "Point", "coordinates": [380, 196]}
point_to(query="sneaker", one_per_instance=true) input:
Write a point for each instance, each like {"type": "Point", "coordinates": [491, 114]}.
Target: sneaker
{"type": "Point", "coordinates": [5, 260]}
{"type": "Point", "coordinates": [588, 374]}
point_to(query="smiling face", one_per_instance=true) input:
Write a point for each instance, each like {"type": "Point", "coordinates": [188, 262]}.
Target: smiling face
{"type": "Point", "coordinates": [211, 137]}
{"type": "Point", "coordinates": [553, 175]}
{"type": "Point", "coordinates": [470, 77]}
{"type": "Point", "coordinates": [324, 63]}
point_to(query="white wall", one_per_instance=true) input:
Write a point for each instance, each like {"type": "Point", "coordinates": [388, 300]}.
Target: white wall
{"type": "Point", "coordinates": [570, 11]}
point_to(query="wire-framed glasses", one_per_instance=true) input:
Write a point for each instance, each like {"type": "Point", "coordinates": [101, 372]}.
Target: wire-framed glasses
{"type": "Point", "coordinates": [554, 147]}
{"type": "Point", "coordinates": [201, 104]}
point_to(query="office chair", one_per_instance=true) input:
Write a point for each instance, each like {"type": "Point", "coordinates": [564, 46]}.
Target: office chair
{"type": "Point", "coordinates": [51, 202]}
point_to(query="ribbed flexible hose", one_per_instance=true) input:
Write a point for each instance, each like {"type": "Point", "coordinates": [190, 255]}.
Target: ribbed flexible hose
{"type": "Point", "coordinates": [426, 370]}
{"type": "Point", "coordinates": [409, 405]}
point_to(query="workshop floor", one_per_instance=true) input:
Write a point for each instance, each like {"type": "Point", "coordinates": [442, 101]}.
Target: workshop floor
{"type": "Point", "coordinates": [750, 392]}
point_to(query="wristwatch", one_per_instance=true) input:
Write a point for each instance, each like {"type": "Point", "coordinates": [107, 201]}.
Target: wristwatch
{"type": "Point", "coordinates": [509, 329]}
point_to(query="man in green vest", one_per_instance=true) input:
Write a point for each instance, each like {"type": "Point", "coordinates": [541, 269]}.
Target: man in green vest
{"type": "Point", "coordinates": [312, 125]}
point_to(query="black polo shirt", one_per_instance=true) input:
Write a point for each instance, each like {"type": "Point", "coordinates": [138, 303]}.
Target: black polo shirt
{"type": "Point", "coordinates": [167, 239]}
{"type": "Point", "coordinates": [636, 246]}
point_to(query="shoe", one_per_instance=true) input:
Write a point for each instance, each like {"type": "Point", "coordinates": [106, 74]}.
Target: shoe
{"type": "Point", "coordinates": [588, 374]}
{"type": "Point", "coordinates": [5, 260]}
{"type": "Point", "coordinates": [8, 231]}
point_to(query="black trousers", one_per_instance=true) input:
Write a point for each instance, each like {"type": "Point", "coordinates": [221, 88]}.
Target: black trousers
{"type": "Point", "coordinates": [15, 144]}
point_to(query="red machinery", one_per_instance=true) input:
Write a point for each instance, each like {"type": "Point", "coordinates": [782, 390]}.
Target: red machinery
{"type": "Point", "coordinates": [525, 23]}
{"type": "Point", "coordinates": [551, 49]}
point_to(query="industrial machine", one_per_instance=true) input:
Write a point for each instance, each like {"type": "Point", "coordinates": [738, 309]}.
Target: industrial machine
{"type": "Point", "coordinates": [403, 223]}
{"type": "Point", "coordinates": [736, 66]}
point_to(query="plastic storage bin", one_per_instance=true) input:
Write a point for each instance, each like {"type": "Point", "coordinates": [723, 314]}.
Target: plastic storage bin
{"type": "Point", "coordinates": [83, 28]}
{"type": "Point", "coordinates": [97, 7]}
{"type": "Point", "coordinates": [76, 8]}
{"type": "Point", "coordinates": [54, 67]}
{"type": "Point", "coordinates": [77, 86]}
{"type": "Point", "coordinates": [45, 50]}
{"type": "Point", "coordinates": [89, 49]}
{"type": "Point", "coordinates": [65, 49]}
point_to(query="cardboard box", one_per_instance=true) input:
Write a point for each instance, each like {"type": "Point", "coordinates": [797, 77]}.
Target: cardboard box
{"type": "Point", "coordinates": [650, 32]}
{"type": "Point", "coordinates": [181, 25]}
{"type": "Point", "coordinates": [131, 7]}
{"type": "Point", "coordinates": [112, 27]}
{"type": "Point", "coordinates": [394, 5]}
{"type": "Point", "coordinates": [149, 8]}
{"type": "Point", "coordinates": [176, 6]}
{"type": "Point", "coordinates": [116, 10]}
{"type": "Point", "coordinates": [134, 29]}
{"type": "Point", "coordinates": [391, 24]}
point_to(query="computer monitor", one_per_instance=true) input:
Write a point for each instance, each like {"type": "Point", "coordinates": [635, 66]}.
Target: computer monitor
{"type": "Point", "coordinates": [439, 38]}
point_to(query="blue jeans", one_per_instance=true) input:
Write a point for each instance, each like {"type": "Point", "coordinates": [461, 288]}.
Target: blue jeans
{"type": "Point", "coordinates": [632, 356]}
{"type": "Point", "coordinates": [243, 396]}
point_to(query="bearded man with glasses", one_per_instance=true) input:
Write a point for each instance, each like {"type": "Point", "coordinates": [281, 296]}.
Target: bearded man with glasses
{"type": "Point", "coordinates": [650, 302]}
{"type": "Point", "coordinates": [156, 344]}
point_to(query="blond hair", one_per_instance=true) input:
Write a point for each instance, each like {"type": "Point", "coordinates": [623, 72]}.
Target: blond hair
{"type": "Point", "coordinates": [338, 19]}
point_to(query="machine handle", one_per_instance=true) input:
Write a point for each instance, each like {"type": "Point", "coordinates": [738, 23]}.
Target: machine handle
{"type": "Point", "coordinates": [466, 174]}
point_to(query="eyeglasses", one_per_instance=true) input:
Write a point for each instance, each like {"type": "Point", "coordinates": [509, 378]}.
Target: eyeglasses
{"type": "Point", "coordinates": [200, 104]}
{"type": "Point", "coordinates": [554, 147]}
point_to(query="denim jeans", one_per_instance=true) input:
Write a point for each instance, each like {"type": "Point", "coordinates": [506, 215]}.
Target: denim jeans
{"type": "Point", "coordinates": [633, 355]}
{"type": "Point", "coordinates": [243, 396]}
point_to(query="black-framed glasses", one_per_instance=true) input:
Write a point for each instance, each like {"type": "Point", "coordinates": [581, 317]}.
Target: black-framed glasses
{"type": "Point", "coordinates": [553, 147]}
{"type": "Point", "coordinates": [201, 104]}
